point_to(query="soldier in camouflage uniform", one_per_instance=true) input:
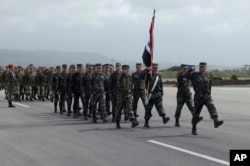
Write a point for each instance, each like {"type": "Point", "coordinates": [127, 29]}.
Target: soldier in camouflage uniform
{"type": "Point", "coordinates": [184, 94]}
{"type": "Point", "coordinates": [76, 89]}
{"type": "Point", "coordinates": [138, 88]}
{"type": "Point", "coordinates": [48, 84]}
{"type": "Point", "coordinates": [54, 87]}
{"type": "Point", "coordinates": [106, 88]}
{"type": "Point", "coordinates": [68, 88]}
{"type": "Point", "coordinates": [40, 82]}
{"type": "Point", "coordinates": [87, 90]}
{"type": "Point", "coordinates": [11, 83]}
{"type": "Point", "coordinates": [155, 90]}
{"type": "Point", "coordinates": [19, 76]}
{"type": "Point", "coordinates": [124, 98]}
{"type": "Point", "coordinates": [27, 83]}
{"type": "Point", "coordinates": [62, 87]}
{"type": "Point", "coordinates": [33, 82]}
{"type": "Point", "coordinates": [114, 77]}
{"type": "Point", "coordinates": [202, 87]}
{"type": "Point", "coordinates": [98, 94]}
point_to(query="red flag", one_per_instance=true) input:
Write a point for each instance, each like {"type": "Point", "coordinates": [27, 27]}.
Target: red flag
{"type": "Point", "coordinates": [148, 52]}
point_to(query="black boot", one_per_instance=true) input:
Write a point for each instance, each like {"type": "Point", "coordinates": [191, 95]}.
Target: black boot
{"type": "Point", "coordinates": [194, 130]}
{"type": "Point", "coordinates": [146, 124]}
{"type": "Point", "coordinates": [118, 125]}
{"type": "Point", "coordinates": [195, 121]}
{"type": "Point", "coordinates": [165, 119]}
{"type": "Point", "coordinates": [134, 123]}
{"type": "Point", "coordinates": [11, 105]}
{"type": "Point", "coordinates": [217, 122]}
{"type": "Point", "coordinates": [177, 124]}
{"type": "Point", "coordinates": [55, 110]}
{"type": "Point", "coordinates": [61, 111]}
{"type": "Point", "coordinates": [31, 98]}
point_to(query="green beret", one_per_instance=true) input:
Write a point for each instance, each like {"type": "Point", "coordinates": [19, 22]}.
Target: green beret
{"type": "Point", "coordinates": [125, 66]}
{"type": "Point", "coordinates": [203, 64]}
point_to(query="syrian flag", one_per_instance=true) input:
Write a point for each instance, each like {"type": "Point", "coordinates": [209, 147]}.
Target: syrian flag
{"type": "Point", "coordinates": [147, 55]}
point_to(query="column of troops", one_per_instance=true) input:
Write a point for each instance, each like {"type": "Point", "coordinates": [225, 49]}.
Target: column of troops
{"type": "Point", "coordinates": [106, 90]}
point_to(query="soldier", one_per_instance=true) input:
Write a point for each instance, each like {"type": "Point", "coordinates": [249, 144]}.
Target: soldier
{"type": "Point", "coordinates": [49, 74]}
{"type": "Point", "coordinates": [62, 86]}
{"type": "Point", "coordinates": [40, 82]}
{"type": "Point", "coordinates": [98, 94]}
{"type": "Point", "coordinates": [114, 77]}
{"type": "Point", "coordinates": [76, 89]}
{"type": "Point", "coordinates": [202, 87]}
{"type": "Point", "coordinates": [68, 88]}
{"type": "Point", "coordinates": [184, 94]}
{"type": "Point", "coordinates": [19, 76]}
{"type": "Point", "coordinates": [155, 89]}
{"type": "Point", "coordinates": [138, 88]}
{"type": "Point", "coordinates": [106, 88]}
{"type": "Point", "coordinates": [124, 98]}
{"type": "Point", "coordinates": [27, 82]}
{"type": "Point", "coordinates": [11, 83]}
{"type": "Point", "coordinates": [87, 89]}
{"type": "Point", "coordinates": [54, 87]}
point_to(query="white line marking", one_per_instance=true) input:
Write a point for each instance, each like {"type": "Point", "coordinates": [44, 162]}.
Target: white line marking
{"type": "Point", "coordinates": [17, 103]}
{"type": "Point", "coordinates": [190, 152]}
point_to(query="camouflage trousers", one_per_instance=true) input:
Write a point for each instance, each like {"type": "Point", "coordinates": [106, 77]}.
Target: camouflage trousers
{"type": "Point", "coordinates": [27, 89]}
{"type": "Point", "coordinates": [137, 94]}
{"type": "Point", "coordinates": [200, 101]}
{"type": "Point", "coordinates": [157, 102]}
{"type": "Point", "coordinates": [180, 103]}
{"type": "Point", "coordinates": [10, 91]}
{"type": "Point", "coordinates": [100, 100]}
{"type": "Point", "coordinates": [124, 101]}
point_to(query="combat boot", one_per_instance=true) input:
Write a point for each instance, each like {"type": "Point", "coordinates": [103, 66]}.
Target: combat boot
{"type": "Point", "coordinates": [177, 124]}
{"type": "Point", "coordinates": [217, 122]}
{"type": "Point", "coordinates": [134, 123]}
{"type": "Point", "coordinates": [94, 120]}
{"type": "Point", "coordinates": [11, 105]}
{"type": "Point", "coordinates": [55, 110]}
{"type": "Point", "coordinates": [165, 119]}
{"type": "Point", "coordinates": [195, 121]}
{"type": "Point", "coordinates": [31, 98]}
{"type": "Point", "coordinates": [194, 132]}
{"type": "Point", "coordinates": [146, 124]}
{"type": "Point", "coordinates": [118, 125]}
{"type": "Point", "coordinates": [68, 113]}
{"type": "Point", "coordinates": [61, 111]}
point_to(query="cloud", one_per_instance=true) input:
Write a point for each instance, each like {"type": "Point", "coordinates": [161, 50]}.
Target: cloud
{"type": "Point", "coordinates": [221, 28]}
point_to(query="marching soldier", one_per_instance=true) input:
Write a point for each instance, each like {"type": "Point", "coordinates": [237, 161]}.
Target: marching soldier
{"type": "Point", "coordinates": [62, 86]}
{"type": "Point", "coordinates": [54, 87]}
{"type": "Point", "coordinates": [184, 94]}
{"type": "Point", "coordinates": [202, 87]}
{"type": "Point", "coordinates": [106, 88]}
{"type": "Point", "coordinates": [40, 82]}
{"type": "Point", "coordinates": [87, 90]}
{"type": "Point", "coordinates": [114, 77]}
{"type": "Point", "coordinates": [155, 95]}
{"type": "Point", "coordinates": [68, 88]}
{"type": "Point", "coordinates": [138, 88]}
{"type": "Point", "coordinates": [11, 83]}
{"type": "Point", "coordinates": [98, 94]}
{"type": "Point", "coordinates": [124, 98]}
{"type": "Point", "coordinates": [76, 89]}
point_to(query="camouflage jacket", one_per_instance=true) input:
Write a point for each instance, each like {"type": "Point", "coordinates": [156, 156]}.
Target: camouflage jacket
{"type": "Point", "coordinates": [114, 83]}
{"type": "Point", "coordinates": [158, 90]}
{"type": "Point", "coordinates": [98, 83]}
{"type": "Point", "coordinates": [54, 85]}
{"type": "Point", "coordinates": [76, 83]}
{"type": "Point", "coordinates": [138, 81]}
{"type": "Point", "coordinates": [125, 85]}
{"type": "Point", "coordinates": [87, 83]}
{"type": "Point", "coordinates": [183, 85]}
{"type": "Point", "coordinates": [62, 82]}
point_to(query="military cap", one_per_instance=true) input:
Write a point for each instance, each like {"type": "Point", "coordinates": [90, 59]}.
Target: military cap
{"type": "Point", "coordinates": [89, 65]}
{"type": "Point", "coordinates": [10, 65]}
{"type": "Point", "coordinates": [58, 67]}
{"type": "Point", "coordinates": [138, 64]}
{"type": "Point", "coordinates": [154, 64]}
{"type": "Point", "coordinates": [106, 65]}
{"type": "Point", "coordinates": [125, 66]}
{"type": "Point", "coordinates": [203, 64]}
{"type": "Point", "coordinates": [98, 65]}
{"type": "Point", "coordinates": [79, 65]}
{"type": "Point", "coordinates": [30, 65]}
{"type": "Point", "coordinates": [117, 64]}
{"type": "Point", "coordinates": [111, 65]}
{"type": "Point", "coordinates": [184, 66]}
{"type": "Point", "coordinates": [64, 66]}
{"type": "Point", "coordinates": [72, 66]}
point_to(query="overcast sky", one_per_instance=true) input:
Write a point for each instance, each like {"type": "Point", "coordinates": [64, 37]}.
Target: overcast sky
{"type": "Point", "coordinates": [186, 31]}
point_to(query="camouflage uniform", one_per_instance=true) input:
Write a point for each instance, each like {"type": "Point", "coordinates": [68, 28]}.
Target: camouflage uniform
{"type": "Point", "coordinates": [54, 87]}
{"type": "Point", "coordinates": [11, 83]}
{"type": "Point", "coordinates": [114, 77]}
{"type": "Point", "coordinates": [76, 88]}
{"type": "Point", "coordinates": [138, 89]}
{"type": "Point", "coordinates": [27, 82]}
{"type": "Point", "coordinates": [87, 90]}
{"type": "Point", "coordinates": [68, 88]}
{"type": "Point", "coordinates": [155, 96]}
{"type": "Point", "coordinates": [202, 86]}
{"type": "Point", "coordinates": [106, 88]}
{"type": "Point", "coordinates": [40, 80]}
{"type": "Point", "coordinates": [184, 94]}
{"type": "Point", "coordinates": [98, 94]}
{"type": "Point", "coordinates": [124, 98]}
{"type": "Point", "coordinates": [62, 88]}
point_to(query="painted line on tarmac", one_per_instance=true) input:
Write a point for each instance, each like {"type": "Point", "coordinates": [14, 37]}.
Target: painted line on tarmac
{"type": "Point", "coordinates": [17, 103]}
{"type": "Point", "coordinates": [190, 152]}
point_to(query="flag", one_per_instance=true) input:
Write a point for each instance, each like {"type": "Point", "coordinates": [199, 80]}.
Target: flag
{"type": "Point", "coordinates": [148, 52]}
